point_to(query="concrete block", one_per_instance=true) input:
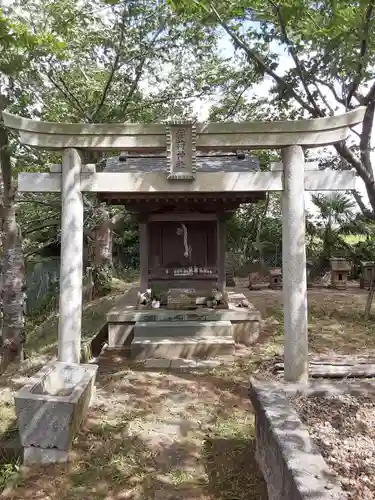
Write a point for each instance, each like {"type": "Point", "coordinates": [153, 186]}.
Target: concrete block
{"type": "Point", "coordinates": [119, 333]}
{"type": "Point", "coordinates": [124, 314]}
{"type": "Point", "coordinates": [181, 364]}
{"type": "Point", "coordinates": [44, 456]}
{"type": "Point", "coordinates": [163, 329]}
{"type": "Point", "coordinates": [246, 332]}
{"type": "Point", "coordinates": [157, 363]}
{"type": "Point", "coordinates": [195, 364]}
{"type": "Point", "coordinates": [52, 406]}
{"type": "Point", "coordinates": [181, 347]}
{"type": "Point", "coordinates": [289, 460]}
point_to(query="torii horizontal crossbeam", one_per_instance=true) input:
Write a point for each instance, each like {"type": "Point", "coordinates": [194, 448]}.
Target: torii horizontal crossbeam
{"type": "Point", "coordinates": [209, 137]}
{"type": "Point", "coordinates": [217, 182]}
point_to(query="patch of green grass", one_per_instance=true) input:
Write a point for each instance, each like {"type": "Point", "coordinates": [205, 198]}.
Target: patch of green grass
{"type": "Point", "coordinates": [9, 471]}
{"type": "Point", "coordinates": [353, 239]}
{"type": "Point", "coordinates": [179, 477]}
{"type": "Point", "coordinates": [229, 453]}
{"type": "Point", "coordinates": [42, 339]}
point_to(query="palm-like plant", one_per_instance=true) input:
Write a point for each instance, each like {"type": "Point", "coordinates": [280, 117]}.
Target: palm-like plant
{"type": "Point", "coordinates": [336, 219]}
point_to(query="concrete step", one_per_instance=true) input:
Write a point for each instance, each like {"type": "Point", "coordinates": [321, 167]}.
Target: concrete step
{"type": "Point", "coordinates": [181, 347]}
{"type": "Point", "coordinates": [161, 329]}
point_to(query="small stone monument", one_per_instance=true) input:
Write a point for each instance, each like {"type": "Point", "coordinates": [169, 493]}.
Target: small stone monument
{"type": "Point", "coordinates": [340, 269]}
{"type": "Point", "coordinates": [367, 273]}
{"type": "Point", "coordinates": [276, 278]}
{"type": "Point", "coordinates": [229, 272]}
{"type": "Point", "coordinates": [229, 278]}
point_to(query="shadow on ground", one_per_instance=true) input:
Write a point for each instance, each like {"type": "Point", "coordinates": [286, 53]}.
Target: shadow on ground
{"type": "Point", "coordinates": [155, 435]}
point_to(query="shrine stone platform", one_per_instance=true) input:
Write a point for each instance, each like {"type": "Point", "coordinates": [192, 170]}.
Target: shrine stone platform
{"type": "Point", "coordinates": [170, 334]}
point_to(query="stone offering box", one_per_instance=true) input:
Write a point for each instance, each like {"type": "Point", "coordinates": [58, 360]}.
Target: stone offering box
{"type": "Point", "coordinates": [51, 408]}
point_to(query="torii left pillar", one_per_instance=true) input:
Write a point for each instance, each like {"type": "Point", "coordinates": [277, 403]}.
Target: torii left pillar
{"type": "Point", "coordinates": [70, 306]}
{"type": "Point", "coordinates": [294, 266]}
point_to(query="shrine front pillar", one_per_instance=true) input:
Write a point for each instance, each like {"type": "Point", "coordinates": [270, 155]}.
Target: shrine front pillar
{"type": "Point", "coordinates": [70, 303]}
{"type": "Point", "coordinates": [143, 254]}
{"type": "Point", "coordinates": [294, 266]}
{"type": "Point", "coordinates": [221, 253]}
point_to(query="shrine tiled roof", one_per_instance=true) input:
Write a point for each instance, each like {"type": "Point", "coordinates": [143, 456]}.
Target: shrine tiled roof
{"type": "Point", "coordinates": [223, 163]}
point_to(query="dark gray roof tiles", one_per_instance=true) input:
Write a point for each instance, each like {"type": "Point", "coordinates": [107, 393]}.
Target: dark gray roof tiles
{"type": "Point", "coordinates": [225, 163]}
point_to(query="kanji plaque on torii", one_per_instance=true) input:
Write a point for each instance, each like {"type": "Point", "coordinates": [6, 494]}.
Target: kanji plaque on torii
{"type": "Point", "coordinates": [181, 151]}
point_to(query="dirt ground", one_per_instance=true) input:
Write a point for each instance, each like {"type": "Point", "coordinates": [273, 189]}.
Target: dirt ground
{"type": "Point", "coordinates": [189, 435]}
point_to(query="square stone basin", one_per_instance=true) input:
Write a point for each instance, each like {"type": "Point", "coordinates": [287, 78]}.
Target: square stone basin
{"type": "Point", "coordinates": [52, 406]}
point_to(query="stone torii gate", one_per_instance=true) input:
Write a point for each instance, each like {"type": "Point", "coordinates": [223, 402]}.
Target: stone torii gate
{"type": "Point", "coordinates": [180, 141]}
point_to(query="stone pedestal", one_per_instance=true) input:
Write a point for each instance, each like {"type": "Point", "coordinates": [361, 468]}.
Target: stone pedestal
{"type": "Point", "coordinates": [51, 408]}
{"type": "Point", "coordinates": [229, 278]}
{"type": "Point", "coordinates": [367, 274]}
{"type": "Point", "coordinates": [276, 279]}
{"type": "Point", "coordinates": [340, 269]}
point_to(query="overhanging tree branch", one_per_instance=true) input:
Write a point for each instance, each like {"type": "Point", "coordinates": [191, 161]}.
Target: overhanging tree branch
{"type": "Point", "coordinates": [366, 212]}
{"type": "Point", "coordinates": [364, 36]}
{"type": "Point", "coordinates": [115, 67]}
{"type": "Point", "coordinates": [288, 42]}
{"type": "Point", "coordinates": [68, 95]}
{"type": "Point", "coordinates": [139, 69]}
{"type": "Point", "coordinates": [255, 57]}
{"type": "Point", "coordinates": [365, 142]}
{"type": "Point", "coordinates": [324, 99]}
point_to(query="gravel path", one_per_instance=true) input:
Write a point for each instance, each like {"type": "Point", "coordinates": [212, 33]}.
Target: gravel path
{"type": "Point", "coordinates": [343, 427]}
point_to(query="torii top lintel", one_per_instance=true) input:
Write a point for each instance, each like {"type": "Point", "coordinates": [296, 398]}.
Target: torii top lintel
{"type": "Point", "coordinates": [207, 136]}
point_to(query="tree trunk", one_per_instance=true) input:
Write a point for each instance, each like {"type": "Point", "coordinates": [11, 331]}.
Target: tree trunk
{"type": "Point", "coordinates": [13, 269]}
{"type": "Point", "coordinates": [102, 241]}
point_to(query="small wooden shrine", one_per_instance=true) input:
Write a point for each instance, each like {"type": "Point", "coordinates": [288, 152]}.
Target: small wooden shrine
{"type": "Point", "coordinates": [340, 269]}
{"type": "Point", "coordinates": [182, 234]}
{"type": "Point", "coordinates": [276, 278]}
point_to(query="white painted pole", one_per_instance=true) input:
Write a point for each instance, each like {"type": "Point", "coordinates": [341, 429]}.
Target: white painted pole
{"type": "Point", "coordinates": [70, 309]}
{"type": "Point", "coordinates": [294, 266]}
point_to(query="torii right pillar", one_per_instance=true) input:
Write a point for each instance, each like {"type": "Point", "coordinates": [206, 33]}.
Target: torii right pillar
{"type": "Point", "coordinates": [294, 266]}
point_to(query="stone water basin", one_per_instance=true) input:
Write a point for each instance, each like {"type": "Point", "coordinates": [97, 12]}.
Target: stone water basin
{"type": "Point", "coordinates": [51, 407]}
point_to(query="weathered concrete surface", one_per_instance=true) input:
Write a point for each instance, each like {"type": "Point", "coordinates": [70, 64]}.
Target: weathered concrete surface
{"type": "Point", "coordinates": [181, 298]}
{"type": "Point", "coordinates": [44, 456]}
{"type": "Point", "coordinates": [122, 318]}
{"type": "Point", "coordinates": [173, 329]}
{"type": "Point", "coordinates": [245, 332]}
{"type": "Point", "coordinates": [291, 464]}
{"type": "Point", "coordinates": [181, 364]}
{"type": "Point", "coordinates": [52, 406]}
{"type": "Point", "coordinates": [294, 266]}
{"type": "Point", "coordinates": [120, 334]}
{"type": "Point", "coordinates": [181, 347]}
{"type": "Point", "coordinates": [124, 312]}
{"type": "Point", "coordinates": [219, 136]}
{"type": "Point", "coordinates": [70, 304]}
{"type": "Point", "coordinates": [212, 182]}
